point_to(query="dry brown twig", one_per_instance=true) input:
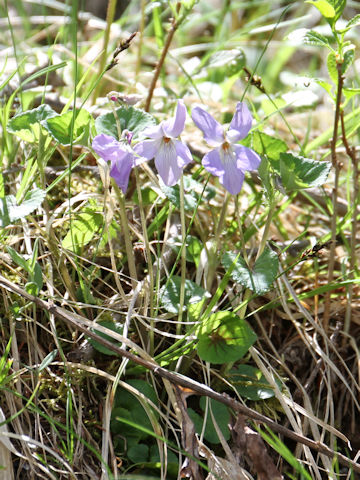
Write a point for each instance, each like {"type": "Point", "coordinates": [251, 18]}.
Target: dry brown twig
{"type": "Point", "coordinates": [84, 325]}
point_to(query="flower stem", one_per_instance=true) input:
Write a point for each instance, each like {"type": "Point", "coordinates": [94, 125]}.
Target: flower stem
{"type": "Point", "coordinates": [148, 256]}
{"type": "Point", "coordinates": [212, 254]}
{"type": "Point", "coordinates": [183, 255]}
{"type": "Point", "coordinates": [126, 231]}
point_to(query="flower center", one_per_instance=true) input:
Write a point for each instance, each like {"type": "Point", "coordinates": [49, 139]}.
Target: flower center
{"type": "Point", "coordinates": [226, 147]}
{"type": "Point", "coordinates": [166, 139]}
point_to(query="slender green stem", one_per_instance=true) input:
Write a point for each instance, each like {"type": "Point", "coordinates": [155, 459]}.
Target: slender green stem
{"type": "Point", "coordinates": [126, 231]}
{"type": "Point", "coordinates": [183, 255]}
{"type": "Point", "coordinates": [148, 256]}
{"type": "Point", "coordinates": [336, 165]}
{"type": "Point", "coordinates": [212, 253]}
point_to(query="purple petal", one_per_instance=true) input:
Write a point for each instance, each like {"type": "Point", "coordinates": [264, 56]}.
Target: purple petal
{"type": "Point", "coordinates": [212, 130]}
{"type": "Point", "coordinates": [155, 132]}
{"type": "Point", "coordinates": [212, 163]}
{"type": "Point", "coordinates": [183, 153]}
{"type": "Point", "coordinates": [232, 179]}
{"type": "Point", "coordinates": [247, 159]}
{"type": "Point", "coordinates": [108, 147]}
{"type": "Point", "coordinates": [240, 124]}
{"type": "Point", "coordinates": [120, 171]}
{"type": "Point", "coordinates": [147, 148]}
{"type": "Point", "coordinates": [166, 162]}
{"type": "Point", "coordinates": [174, 126]}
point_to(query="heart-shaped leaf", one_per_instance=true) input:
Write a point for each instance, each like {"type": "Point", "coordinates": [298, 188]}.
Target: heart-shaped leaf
{"type": "Point", "coordinates": [297, 173]}
{"type": "Point", "coordinates": [259, 278]}
{"type": "Point", "coordinates": [130, 118]}
{"type": "Point", "coordinates": [59, 127]}
{"type": "Point", "coordinates": [27, 125]}
{"type": "Point", "coordinates": [224, 337]}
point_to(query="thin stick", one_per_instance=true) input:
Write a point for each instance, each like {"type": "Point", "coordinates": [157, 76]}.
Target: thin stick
{"type": "Point", "coordinates": [174, 26]}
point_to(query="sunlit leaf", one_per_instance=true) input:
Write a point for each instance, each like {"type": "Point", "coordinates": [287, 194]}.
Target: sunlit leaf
{"type": "Point", "coordinates": [224, 337]}
{"type": "Point", "coordinates": [194, 247]}
{"type": "Point", "coordinates": [324, 7]}
{"type": "Point", "coordinates": [130, 118]}
{"type": "Point", "coordinates": [265, 144]}
{"type": "Point", "coordinates": [298, 172]}
{"type": "Point", "coordinates": [10, 211]}
{"type": "Point", "coordinates": [59, 127]}
{"type": "Point", "coordinates": [27, 125]}
{"type": "Point", "coordinates": [82, 229]}
{"type": "Point", "coordinates": [332, 67]}
{"type": "Point", "coordinates": [260, 277]}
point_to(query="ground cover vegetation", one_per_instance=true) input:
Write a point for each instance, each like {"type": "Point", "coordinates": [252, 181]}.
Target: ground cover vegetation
{"type": "Point", "coordinates": [179, 275]}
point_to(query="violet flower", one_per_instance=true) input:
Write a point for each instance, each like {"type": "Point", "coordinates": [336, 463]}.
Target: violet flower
{"type": "Point", "coordinates": [121, 156]}
{"type": "Point", "coordinates": [228, 160]}
{"type": "Point", "coordinates": [170, 155]}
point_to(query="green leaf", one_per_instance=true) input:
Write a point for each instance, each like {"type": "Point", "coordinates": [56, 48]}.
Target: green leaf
{"type": "Point", "coordinates": [324, 7]}
{"type": "Point", "coordinates": [192, 191]}
{"type": "Point", "coordinates": [297, 173]}
{"type": "Point", "coordinates": [325, 85]}
{"type": "Point", "coordinates": [59, 127]}
{"type": "Point", "coordinates": [138, 453]}
{"type": "Point", "coordinates": [47, 360]}
{"type": "Point", "coordinates": [259, 278]}
{"type": "Point", "coordinates": [338, 6]}
{"type": "Point", "coordinates": [170, 294]}
{"type": "Point", "coordinates": [314, 38]}
{"type": "Point", "coordinates": [27, 125]}
{"type": "Point", "coordinates": [82, 230]}
{"type": "Point", "coordinates": [224, 337]}
{"type": "Point", "coordinates": [332, 67]}
{"type": "Point", "coordinates": [132, 119]}
{"type": "Point", "coordinates": [250, 383]}
{"type": "Point", "coordinates": [351, 92]}
{"type": "Point", "coordinates": [265, 145]}
{"type": "Point", "coordinates": [36, 277]}
{"type": "Point", "coordinates": [128, 403]}
{"type": "Point", "coordinates": [349, 57]}
{"type": "Point", "coordinates": [18, 259]}
{"type": "Point", "coordinates": [353, 22]}
{"type": "Point", "coordinates": [222, 416]}
{"type": "Point", "coordinates": [148, 196]}
{"type": "Point", "coordinates": [10, 211]}
{"type": "Point", "coordinates": [194, 247]}
{"type": "Point", "coordinates": [113, 326]}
